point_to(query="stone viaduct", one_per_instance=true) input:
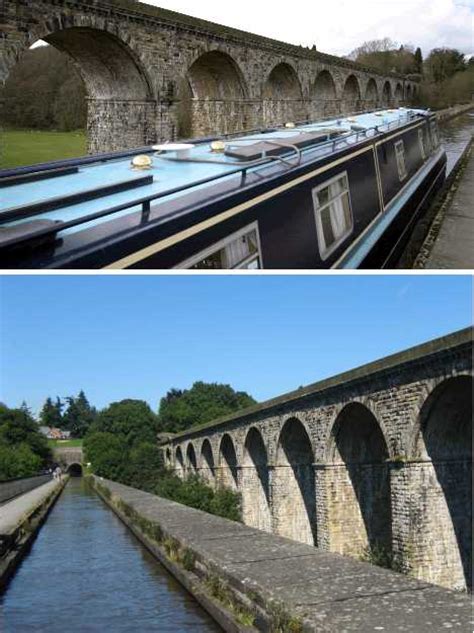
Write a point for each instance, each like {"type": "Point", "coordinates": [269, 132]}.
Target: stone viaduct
{"type": "Point", "coordinates": [376, 460]}
{"type": "Point", "coordinates": [153, 74]}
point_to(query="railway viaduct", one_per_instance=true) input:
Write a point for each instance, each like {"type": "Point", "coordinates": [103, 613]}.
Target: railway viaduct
{"type": "Point", "coordinates": [378, 459]}
{"type": "Point", "coordinates": [153, 74]}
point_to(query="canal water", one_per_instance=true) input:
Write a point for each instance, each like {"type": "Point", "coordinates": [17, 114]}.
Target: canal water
{"type": "Point", "coordinates": [87, 572]}
{"type": "Point", "coordinates": [455, 135]}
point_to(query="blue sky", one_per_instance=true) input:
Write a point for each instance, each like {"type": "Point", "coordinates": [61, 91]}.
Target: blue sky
{"type": "Point", "coordinates": [137, 336]}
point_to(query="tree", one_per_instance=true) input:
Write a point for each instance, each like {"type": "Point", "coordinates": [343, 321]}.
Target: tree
{"type": "Point", "coordinates": [386, 56]}
{"type": "Point", "coordinates": [79, 415]}
{"type": "Point", "coordinates": [419, 61]}
{"type": "Point", "coordinates": [23, 450]}
{"type": "Point", "coordinates": [51, 413]}
{"type": "Point", "coordinates": [204, 402]}
{"type": "Point", "coordinates": [133, 420]}
{"type": "Point", "coordinates": [443, 63]}
{"type": "Point", "coordinates": [107, 454]}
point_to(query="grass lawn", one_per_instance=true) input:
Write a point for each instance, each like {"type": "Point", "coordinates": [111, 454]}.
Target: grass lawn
{"type": "Point", "coordinates": [65, 443]}
{"type": "Point", "coordinates": [27, 147]}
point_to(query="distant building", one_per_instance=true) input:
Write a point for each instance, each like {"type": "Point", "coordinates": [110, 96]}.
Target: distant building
{"type": "Point", "coordinates": [54, 434]}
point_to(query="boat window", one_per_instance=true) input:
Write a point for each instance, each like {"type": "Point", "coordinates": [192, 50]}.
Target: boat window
{"type": "Point", "coordinates": [434, 134]}
{"type": "Point", "coordinates": [332, 205]}
{"type": "Point", "coordinates": [400, 154]}
{"type": "Point", "coordinates": [421, 138]}
{"type": "Point", "coordinates": [238, 251]}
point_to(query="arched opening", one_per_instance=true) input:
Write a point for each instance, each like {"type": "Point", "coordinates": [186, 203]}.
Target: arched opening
{"type": "Point", "coordinates": [443, 523]}
{"type": "Point", "coordinates": [294, 501]}
{"type": "Point", "coordinates": [168, 457]}
{"type": "Point", "coordinates": [324, 94]}
{"type": "Point", "coordinates": [398, 94]}
{"type": "Point", "coordinates": [75, 470]}
{"type": "Point", "coordinates": [351, 95]}
{"type": "Point", "coordinates": [211, 97]}
{"type": "Point", "coordinates": [191, 462]}
{"type": "Point", "coordinates": [409, 97]}
{"type": "Point", "coordinates": [282, 96]}
{"type": "Point", "coordinates": [371, 95]}
{"type": "Point", "coordinates": [387, 94]}
{"type": "Point", "coordinates": [120, 104]}
{"type": "Point", "coordinates": [179, 465]}
{"type": "Point", "coordinates": [228, 476]}
{"type": "Point", "coordinates": [255, 484]}
{"type": "Point", "coordinates": [359, 505]}
{"type": "Point", "coordinates": [207, 462]}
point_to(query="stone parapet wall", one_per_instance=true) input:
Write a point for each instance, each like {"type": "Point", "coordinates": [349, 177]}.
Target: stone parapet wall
{"type": "Point", "coordinates": [16, 487]}
{"type": "Point", "coordinates": [250, 580]}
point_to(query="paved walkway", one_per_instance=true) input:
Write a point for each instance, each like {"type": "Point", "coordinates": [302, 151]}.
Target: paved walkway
{"type": "Point", "coordinates": [14, 513]}
{"type": "Point", "coordinates": [331, 593]}
{"type": "Point", "coordinates": [454, 247]}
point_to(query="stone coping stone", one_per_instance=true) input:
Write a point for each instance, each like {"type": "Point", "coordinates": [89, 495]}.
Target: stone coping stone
{"type": "Point", "coordinates": [329, 592]}
{"type": "Point", "coordinates": [15, 512]}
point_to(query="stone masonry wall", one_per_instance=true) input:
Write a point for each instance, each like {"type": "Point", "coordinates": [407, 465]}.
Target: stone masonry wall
{"type": "Point", "coordinates": [404, 500]}
{"type": "Point", "coordinates": [137, 62]}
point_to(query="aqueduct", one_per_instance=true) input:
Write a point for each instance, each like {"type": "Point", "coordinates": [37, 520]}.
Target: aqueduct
{"type": "Point", "coordinates": [376, 459]}
{"type": "Point", "coordinates": [153, 74]}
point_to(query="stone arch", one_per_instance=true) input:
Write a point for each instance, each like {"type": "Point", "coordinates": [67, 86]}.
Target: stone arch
{"type": "Point", "coordinates": [351, 95]}
{"type": "Point", "coordinates": [208, 467]}
{"type": "Point", "coordinates": [255, 484]}
{"type": "Point", "coordinates": [387, 94]}
{"type": "Point", "coordinates": [282, 83]}
{"type": "Point", "coordinates": [118, 86]}
{"type": "Point", "coordinates": [168, 458]}
{"type": "Point", "coordinates": [293, 487]}
{"type": "Point", "coordinates": [228, 470]}
{"type": "Point", "coordinates": [443, 517]}
{"type": "Point", "coordinates": [191, 461]}
{"type": "Point", "coordinates": [282, 95]}
{"type": "Point", "coordinates": [371, 94]}
{"type": "Point", "coordinates": [398, 95]}
{"type": "Point", "coordinates": [359, 499]}
{"type": "Point", "coordinates": [408, 93]}
{"type": "Point", "coordinates": [211, 96]}
{"type": "Point", "coordinates": [179, 462]}
{"type": "Point", "coordinates": [324, 94]}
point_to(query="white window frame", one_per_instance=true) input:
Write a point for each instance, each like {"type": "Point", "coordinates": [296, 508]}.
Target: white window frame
{"type": "Point", "coordinates": [222, 244]}
{"type": "Point", "coordinates": [401, 166]}
{"type": "Point", "coordinates": [324, 250]}
{"type": "Point", "coordinates": [421, 139]}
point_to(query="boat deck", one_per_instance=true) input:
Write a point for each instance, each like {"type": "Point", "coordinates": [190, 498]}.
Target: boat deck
{"type": "Point", "coordinates": [108, 188]}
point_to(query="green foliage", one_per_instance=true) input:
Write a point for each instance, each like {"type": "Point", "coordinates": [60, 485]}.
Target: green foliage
{"type": "Point", "coordinates": [144, 464]}
{"type": "Point", "coordinates": [23, 450]}
{"type": "Point", "coordinates": [458, 88]}
{"type": "Point", "coordinates": [443, 63]}
{"type": "Point", "coordinates": [204, 402]}
{"type": "Point", "coordinates": [79, 415]}
{"type": "Point", "coordinates": [51, 413]}
{"type": "Point", "coordinates": [132, 420]}
{"type": "Point", "coordinates": [386, 56]}
{"type": "Point", "coordinates": [44, 91]}
{"type": "Point", "coordinates": [108, 455]}
{"type": "Point", "coordinates": [196, 494]}
{"type": "Point", "coordinates": [18, 461]}
{"type": "Point", "coordinates": [27, 147]}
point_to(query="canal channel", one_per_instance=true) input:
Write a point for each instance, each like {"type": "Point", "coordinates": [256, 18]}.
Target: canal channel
{"type": "Point", "coordinates": [455, 134]}
{"type": "Point", "coordinates": [87, 572]}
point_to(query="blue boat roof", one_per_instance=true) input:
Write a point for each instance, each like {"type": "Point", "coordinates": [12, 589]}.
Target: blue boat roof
{"type": "Point", "coordinates": [174, 179]}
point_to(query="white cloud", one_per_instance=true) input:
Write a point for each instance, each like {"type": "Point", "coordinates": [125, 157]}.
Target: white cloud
{"type": "Point", "coordinates": [339, 26]}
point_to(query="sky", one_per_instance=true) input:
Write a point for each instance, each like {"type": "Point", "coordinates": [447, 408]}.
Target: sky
{"type": "Point", "coordinates": [121, 337]}
{"type": "Point", "coordinates": [340, 26]}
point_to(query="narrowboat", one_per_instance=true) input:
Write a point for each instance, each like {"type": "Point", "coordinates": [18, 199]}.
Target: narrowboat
{"type": "Point", "coordinates": [343, 193]}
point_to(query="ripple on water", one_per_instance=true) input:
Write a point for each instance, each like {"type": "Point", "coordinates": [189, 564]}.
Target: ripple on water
{"type": "Point", "coordinates": [87, 572]}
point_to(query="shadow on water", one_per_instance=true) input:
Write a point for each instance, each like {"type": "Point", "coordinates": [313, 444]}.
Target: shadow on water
{"type": "Point", "coordinates": [86, 572]}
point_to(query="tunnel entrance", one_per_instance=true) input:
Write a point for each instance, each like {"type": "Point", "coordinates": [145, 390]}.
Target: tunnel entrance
{"type": "Point", "coordinates": [75, 470]}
